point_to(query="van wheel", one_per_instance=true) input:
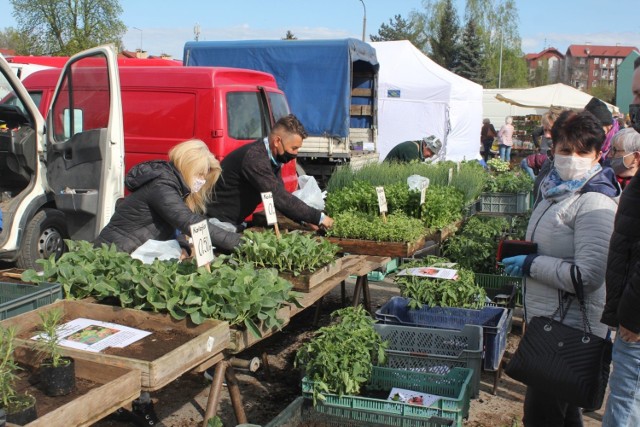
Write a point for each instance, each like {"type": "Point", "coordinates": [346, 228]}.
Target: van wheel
{"type": "Point", "coordinates": [43, 237]}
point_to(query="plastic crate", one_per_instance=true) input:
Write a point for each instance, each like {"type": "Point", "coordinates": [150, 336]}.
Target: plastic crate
{"type": "Point", "coordinates": [379, 275]}
{"type": "Point", "coordinates": [471, 209]}
{"type": "Point", "coordinates": [507, 203]}
{"type": "Point", "coordinates": [435, 351]}
{"type": "Point", "coordinates": [502, 290]}
{"type": "Point", "coordinates": [494, 322]}
{"type": "Point", "coordinates": [301, 412]}
{"type": "Point", "coordinates": [454, 389]}
{"type": "Point", "coordinates": [16, 298]}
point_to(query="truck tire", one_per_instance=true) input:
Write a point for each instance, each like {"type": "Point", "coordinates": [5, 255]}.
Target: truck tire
{"type": "Point", "coordinates": [43, 237]}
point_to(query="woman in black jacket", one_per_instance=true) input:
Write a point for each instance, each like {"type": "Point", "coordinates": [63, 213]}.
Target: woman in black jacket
{"type": "Point", "coordinates": [166, 198]}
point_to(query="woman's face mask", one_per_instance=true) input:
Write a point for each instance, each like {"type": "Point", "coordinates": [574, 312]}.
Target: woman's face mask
{"type": "Point", "coordinates": [198, 183]}
{"type": "Point", "coordinates": [572, 167]}
{"type": "Point", "coordinates": [619, 166]}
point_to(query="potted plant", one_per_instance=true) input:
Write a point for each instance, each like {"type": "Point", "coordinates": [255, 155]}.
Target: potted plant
{"type": "Point", "coordinates": [20, 408]}
{"type": "Point", "coordinates": [57, 372]}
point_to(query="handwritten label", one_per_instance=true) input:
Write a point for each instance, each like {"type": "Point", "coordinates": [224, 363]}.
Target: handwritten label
{"type": "Point", "coordinates": [269, 208]}
{"type": "Point", "coordinates": [382, 200]}
{"type": "Point", "coordinates": [202, 243]}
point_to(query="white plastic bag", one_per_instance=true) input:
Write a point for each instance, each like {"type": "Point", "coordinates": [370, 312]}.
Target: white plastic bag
{"type": "Point", "coordinates": [309, 192]}
{"type": "Point", "coordinates": [417, 182]}
{"type": "Point", "coordinates": [162, 250]}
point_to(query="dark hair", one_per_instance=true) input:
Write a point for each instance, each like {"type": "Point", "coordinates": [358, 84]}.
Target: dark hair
{"type": "Point", "coordinates": [582, 131]}
{"type": "Point", "coordinates": [291, 124]}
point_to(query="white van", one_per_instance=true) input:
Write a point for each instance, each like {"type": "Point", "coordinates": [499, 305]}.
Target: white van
{"type": "Point", "coordinates": [60, 179]}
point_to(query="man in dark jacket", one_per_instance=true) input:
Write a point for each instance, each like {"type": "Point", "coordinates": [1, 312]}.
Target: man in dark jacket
{"type": "Point", "coordinates": [156, 210]}
{"type": "Point", "coordinates": [420, 150]}
{"type": "Point", "coordinates": [622, 307]}
{"type": "Point", "coordinates": [255, 168]}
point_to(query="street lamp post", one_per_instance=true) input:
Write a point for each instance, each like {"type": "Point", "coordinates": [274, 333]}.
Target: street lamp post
{"type": "Point", "coordinates": [500, 66]}
{"type": "Point", "coordinates": [364, 19]}
{"type": "Point", "coordinates": [136, 28]}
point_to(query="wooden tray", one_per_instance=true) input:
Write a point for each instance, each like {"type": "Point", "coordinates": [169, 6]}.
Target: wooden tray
{"type": "Point", "coordinates": [113, 387]}
{"type": "Point", "coordinates": [208, 339]}
{"type": "Point", "coordinates": [242, 339]}
{"type": "Point", "coordinates": [305, 282]}
{"type": "Point", "coordinates": [439, 236]}
{"type": "Point", "coordinates": [385, 249]}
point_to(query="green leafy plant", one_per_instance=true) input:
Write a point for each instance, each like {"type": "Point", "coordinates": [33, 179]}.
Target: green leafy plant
{"type": "Point", "coordinates": [293, 252]}
{"type": "Point", "coordinates": [461, 293]}
{"type": "Point", "coordinates": [49, 340]}
{"type": "Point", "coordinates": [442, 206]}
{"type": "Point", "coordinates": [237, 293]}
{"type": "Point", "coordinates": [509, 182]}
{"type": "Point", "coordinates": [475, 247]}
{"type": "Point", "coordinates": [356, 225]}
{"type": "Point", "coordinates": [10, 399]}
{"type": "Point", "coordinates": [497, 165]}
{"type": "Point", "coordinates": [340, 358]}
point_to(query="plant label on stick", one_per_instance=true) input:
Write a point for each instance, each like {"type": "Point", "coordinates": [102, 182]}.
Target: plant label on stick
{"type": "Point", "coordinates": [202, 243]}
{"type": "Point", "coordinates": [269, 208]}
{"type": "Point", "coordinates": [423, 193]}
{"type": "Point", "coordinates": [382, 200]}
{"type": "Point", "coordinates": [450, 176]}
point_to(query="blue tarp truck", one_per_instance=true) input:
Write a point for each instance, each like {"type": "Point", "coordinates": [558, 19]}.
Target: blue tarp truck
{"type": "Point", "coordinates": [330, 86]}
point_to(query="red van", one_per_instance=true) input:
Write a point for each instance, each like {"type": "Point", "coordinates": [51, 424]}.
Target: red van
{"type": "Point", "coordinates": [163, 106]}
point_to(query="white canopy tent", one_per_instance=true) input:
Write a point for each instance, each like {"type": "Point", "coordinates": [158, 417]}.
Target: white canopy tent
{"type": "Point", "coordinates": [556, 95]}
{"type": "Point", "coordinates": [418, 98]}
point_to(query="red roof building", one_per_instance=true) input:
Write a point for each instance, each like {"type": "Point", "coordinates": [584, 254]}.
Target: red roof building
{"type": "Point", "coordinates": [588, 66]}
{"type": "Point", "coordinates": [551, 58]}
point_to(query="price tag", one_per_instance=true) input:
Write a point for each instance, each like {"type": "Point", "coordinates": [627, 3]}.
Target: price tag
{"type": "Point", "coordinates": [269, 208]}
{"type": "Point", "coordinates": [202, 243]}
{"type": "Point", "coordinates": [382, 200]}
{"type": "Point", "coordinates": [423, 193]}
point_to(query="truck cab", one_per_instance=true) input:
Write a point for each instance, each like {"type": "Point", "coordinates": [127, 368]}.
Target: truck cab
{"type": "Point", "coordinates": [60, 178]}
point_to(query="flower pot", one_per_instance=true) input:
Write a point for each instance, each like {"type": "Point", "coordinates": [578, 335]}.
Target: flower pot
{"type": "Point", "coordinates": [59, 380]}
{"type": "Point", "coordinates": [22, 411]}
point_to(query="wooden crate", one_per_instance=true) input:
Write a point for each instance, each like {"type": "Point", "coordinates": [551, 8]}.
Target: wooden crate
{"type": "Point", "coordinates": [209, 338]}
{"type": "Point", "coordinates": [307, 281]}
{"type": "Point", "coordinates": [115, 387]}
{"type": "Point", "coordinates": [385, 249]}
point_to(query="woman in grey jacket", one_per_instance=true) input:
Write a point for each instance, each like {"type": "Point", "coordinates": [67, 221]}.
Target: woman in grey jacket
{"type": "Point", "coordinates": [571, 225]}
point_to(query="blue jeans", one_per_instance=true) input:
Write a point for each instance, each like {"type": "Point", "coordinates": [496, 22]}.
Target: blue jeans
{"type": "Point", "coordinates": [505, 153]}
{"type": "Point", "coordinates": [525, 166]}
{"type": "Point", "coordinates": [623, 404]}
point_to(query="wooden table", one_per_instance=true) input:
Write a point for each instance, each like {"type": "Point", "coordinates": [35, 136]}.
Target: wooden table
{"type": "Point", "coordinates": [352, 265]}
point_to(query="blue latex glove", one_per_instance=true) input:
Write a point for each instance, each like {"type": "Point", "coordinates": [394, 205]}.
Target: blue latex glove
{"type": "Point", "coordinates": [513, 265]}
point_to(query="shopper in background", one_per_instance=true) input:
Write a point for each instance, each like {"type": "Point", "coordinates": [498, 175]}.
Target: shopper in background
{"type": "Point", "coordinates": [571, 226]}
{"type": "Point", "coordinates": [610, 126]}
{"type": "Point", "coordinates": [487, 135]}
{"type": "Point", "coordinates": [624, 156]}
{"type": "Point", "coordinates": [425, 149]}
{"type": "Point", "coordinates": [505, 139]}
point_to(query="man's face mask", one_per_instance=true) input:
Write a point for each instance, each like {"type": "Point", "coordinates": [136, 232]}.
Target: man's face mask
{"type": "Point", "coordinates": [634, 115]}
{"type": "Point", "coordinates": [285, 157]}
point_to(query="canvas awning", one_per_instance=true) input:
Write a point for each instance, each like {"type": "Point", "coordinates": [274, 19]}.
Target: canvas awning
{"type": "Point", "coordinates": [555, 95]}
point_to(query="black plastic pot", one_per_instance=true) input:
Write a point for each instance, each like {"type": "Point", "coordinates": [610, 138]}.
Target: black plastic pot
{"type": "Point", "coordinates": [25, 415]}
{"type": "Point", "coordinates": [59, 380]}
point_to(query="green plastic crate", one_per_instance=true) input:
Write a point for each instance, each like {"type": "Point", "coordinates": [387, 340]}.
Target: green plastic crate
{"type": "Point", "coordinates": [16, 298]}
{"type": "Point", "coordinates": [505, 203]}
{"type": "Point", "coordinates": [454, 389]}
{"type": "Point", "coordinates": [503, 290]}
{"type": "Point", "coordinates": [434, 351]}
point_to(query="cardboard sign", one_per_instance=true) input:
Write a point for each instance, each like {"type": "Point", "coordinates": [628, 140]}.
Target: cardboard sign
{"type": "Point", "coordinates": [382, 200]}
{"type": "Point", "coordinates": [269, 208]}
{"type": "Point", "coordinates": [202, 243]}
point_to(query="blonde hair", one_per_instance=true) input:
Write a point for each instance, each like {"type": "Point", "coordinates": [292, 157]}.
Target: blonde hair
{"type": "Point", "coordinates": [193, 158]}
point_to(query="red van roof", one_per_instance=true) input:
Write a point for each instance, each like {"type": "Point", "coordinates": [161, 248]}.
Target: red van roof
{"type": "Point", "coordinates": [59, 61]}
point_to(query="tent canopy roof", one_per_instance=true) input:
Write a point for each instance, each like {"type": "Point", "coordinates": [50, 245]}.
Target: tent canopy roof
{"type": "Point", "coordinates": [555, 95]}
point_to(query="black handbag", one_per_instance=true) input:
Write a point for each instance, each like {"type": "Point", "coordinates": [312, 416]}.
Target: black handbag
{"type": "Point", "coordinates": [569, 363]}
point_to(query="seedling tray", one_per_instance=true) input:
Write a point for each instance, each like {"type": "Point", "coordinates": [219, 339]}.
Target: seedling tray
{"type": "Point", "coordinates": [370, 247]}
{"type": "Point", "coordinates": [453, 388]}
{"type": "Point", "coordinates": [306, 281]}
{"type": "Point", "coordinates": [197, 343]}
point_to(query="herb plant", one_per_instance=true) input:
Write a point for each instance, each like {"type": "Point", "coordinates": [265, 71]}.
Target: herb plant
{"type": "Point", "coordinates": [340, 358]}
{"type": "Point", "coordinates": [509, 182]}
{"type": "Point", "coordinates": [356, 225]}
{"type": "Point", "coordinates": [237, 293]}
{"type": "Point", "coordinates": [49, 340]}
{"type": "Point", "coordinates": [475, 247]}
{"type": "Point", "coordinates": [10, 399]}
{"type": "Point", "coordinates": [498, 165]}
{"type": "Point", "coordinates": [294, 252]}
{"type": "Point", "coordinates": [461, 293]}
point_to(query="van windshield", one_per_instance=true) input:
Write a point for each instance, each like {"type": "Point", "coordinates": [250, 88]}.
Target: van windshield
{"type": "Point", "coordinates": [278, 105]}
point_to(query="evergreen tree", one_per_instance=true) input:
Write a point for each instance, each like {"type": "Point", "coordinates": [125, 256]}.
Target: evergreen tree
{"type": "Point", "coordinates": [402, 29]}
{"type": "Point", "coordinates": [289, 36]}
{"type": "Point", "coordinates": [471, 59]}
{"type": "Point", "coordinates": [444, 40]}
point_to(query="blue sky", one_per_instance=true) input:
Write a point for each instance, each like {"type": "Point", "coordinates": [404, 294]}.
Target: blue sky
{"type": "Point", "coordinates": [164, 26]}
